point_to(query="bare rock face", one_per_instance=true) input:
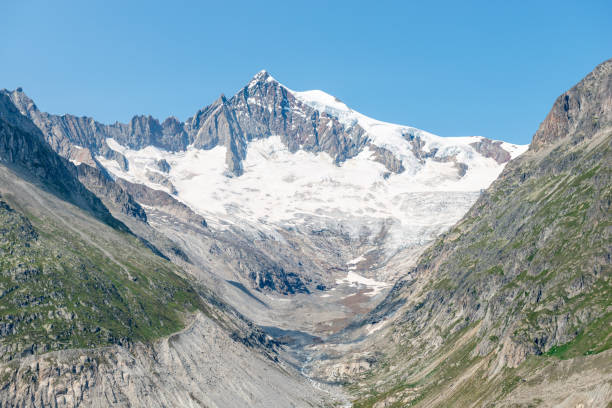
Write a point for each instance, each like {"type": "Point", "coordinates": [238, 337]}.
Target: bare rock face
{"type": "Point", "coordinates": [161, 200]}
{"type": "Point", "coordinates": [580, 112]}
{"type": "Point", "coordinates": [23, 147]}
{"type": "Point", "coordinates": [147, 131]}
{"type": "Point", "coordinates": [111, 154]}
{"type": "Point", "coordinates": [113, 196]}
{"type": "Point", "coordinates": [261, 109]}
{"type": "Point", "coordinates": [264, 108]}
{"type": "Point", "coordinates": [64, 132]}
{"type": "Point", "coordinates": [387, 158]}
{"type": "Point", "coordinates": [201, 366]}
{"type": "Point", "coordinates": [162, 180]}
{"type": "Point", "coordinates": [163, 166]}
{"type": "Point", "coordinates": [492, 149]}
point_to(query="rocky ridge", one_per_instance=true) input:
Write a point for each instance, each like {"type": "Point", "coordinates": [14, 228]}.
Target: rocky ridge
{"type": "Point", "coordinates": [263, 108]}
{"type": "Point", "coordinates": [23, 148]}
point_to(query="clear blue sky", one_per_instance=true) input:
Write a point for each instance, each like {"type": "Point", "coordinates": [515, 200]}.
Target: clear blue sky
{"type": "Point", "coordinates": [490, 68]}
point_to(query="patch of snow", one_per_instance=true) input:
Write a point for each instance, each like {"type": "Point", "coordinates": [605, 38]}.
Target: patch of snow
{"type": "Point", "coordinates": [354, 279]}
{"type": "Point", "coordinates": [355, 261]}
{"type": "Point", "coordinates": [513, 149]}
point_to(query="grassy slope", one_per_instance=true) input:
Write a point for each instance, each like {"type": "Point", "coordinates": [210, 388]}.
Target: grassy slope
{"type": "Point", "coordinates": [523, 278]}
{"type": "Point", "coordinates": [61, 290]}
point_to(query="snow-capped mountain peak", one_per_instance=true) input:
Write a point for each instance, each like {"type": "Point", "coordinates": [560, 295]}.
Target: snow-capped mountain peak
{"type": "Point", "coordinates": [295, 159]}
{"type": "Point", "coordinates": [261, 76]}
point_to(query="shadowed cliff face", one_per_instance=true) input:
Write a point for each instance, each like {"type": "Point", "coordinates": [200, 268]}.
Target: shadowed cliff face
{"type": "Point", "coordinates": [261, 109]}
{"type": "Point", "coordinates": [522, 281]}
{"type": "Point", "coordinates": [23, 148]}
{"type": "Point", "coordinates": [112, 195]}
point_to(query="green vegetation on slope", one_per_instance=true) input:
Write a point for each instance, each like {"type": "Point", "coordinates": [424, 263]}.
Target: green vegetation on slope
{"type": "Point", "coordinates": [59, 290]}
{"type": "Point", "coordinates": [530, 265]}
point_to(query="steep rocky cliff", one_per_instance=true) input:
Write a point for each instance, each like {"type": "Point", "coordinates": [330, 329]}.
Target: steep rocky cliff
{"type": "Point", "coordinates": [112, 195]}
{"type": "Point", "coordinates": [23, 149]}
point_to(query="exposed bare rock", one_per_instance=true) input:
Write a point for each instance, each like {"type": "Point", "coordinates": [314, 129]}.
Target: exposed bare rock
{"type": "Point", "coordinates": [112, 195]}
{"type": "Point", "coordinates": [461, 168]}
{"type": "Point", "coordinates": [161, 200]}
{"type": "Point", "coordinates": [261, 109]}
{"type": "Point", "coordinates": [62, 132]}
{"type": "Point", "coordinates": [201, 366]}
{"type": "Point", "coordinates": [163, 166]}
{"type": "Point", "coordinates": [580, 112]}
{"type": "Point", "coordinates": [111, 154]}
{"type": "Point", "coordinates": [387, 158]}
{"type": "Point", "coordinates": [162, 180]}
{"type": "Point", "coordinates": [492, 149]}
{"type": "Point", "coordinates": [23, 148]}
{"type": "Point", "coordinates": [264, 108]}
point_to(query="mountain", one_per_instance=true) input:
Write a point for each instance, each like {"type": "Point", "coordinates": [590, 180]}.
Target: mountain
{"type": "Point", "coordinates": [312, 121]}
{"type": "Point", "coordinates": [92, 314]}
{"type": "Point", "coordinates": [294, 209]}
{"type": "Point", "coordinates": [278, 244]}
{"type": "Point", "coordinates": [510, 306]}
{"type": "Point", "coordinates": [23, 148]}
{"type": "Point", "coordinates": [380, 189]}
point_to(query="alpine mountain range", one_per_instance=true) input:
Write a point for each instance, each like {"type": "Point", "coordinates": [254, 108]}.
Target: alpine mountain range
{"type": "Point", "coordinates": [280, 249]}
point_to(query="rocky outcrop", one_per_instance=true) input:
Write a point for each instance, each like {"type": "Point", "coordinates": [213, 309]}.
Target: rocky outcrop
{"type": "Point", "coordinates": [15, 227]}
{"type": "Point", "coordinates": [147, 131]}
{"type": "Point", "coordinates": [492, 149]}
{"type": "Point", "coordinates": [162, 201]}
{"type": "Point", "coordinates": [163, 166]}
{"type": "Point", "coordinates": [265, 271]}
{"type": "Point", "coordinates": [264, 108]}
{"type": "Point", "coordinates": [162, 180]}
{"type": "Point", "coordinates": [114, 197]}
{"type": "Point", "coordinates": [23, 148]}
{"type": "Point", "coordinates": [580, 112]}
{"type": "Point", "coordinates": [387, 158]}
{"type": "Point", "coordinates": [64, 131]}
{"type": "Point", "coordinates": [111, 154]}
